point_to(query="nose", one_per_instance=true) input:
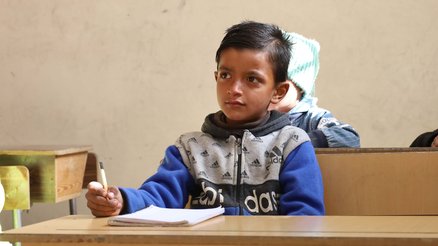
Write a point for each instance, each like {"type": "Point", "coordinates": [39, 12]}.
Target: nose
{"type": "Point", "coordinates": [235, 87]}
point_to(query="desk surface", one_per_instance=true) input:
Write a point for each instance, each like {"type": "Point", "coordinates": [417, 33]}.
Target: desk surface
{"type": "Point", "coordinates": [43, 149]}
{"type": "Point", "coordinates": [237, 230]}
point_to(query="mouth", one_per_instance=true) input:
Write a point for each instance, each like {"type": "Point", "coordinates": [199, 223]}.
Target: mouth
{"type": "Point", "coordinates": [234, 103]}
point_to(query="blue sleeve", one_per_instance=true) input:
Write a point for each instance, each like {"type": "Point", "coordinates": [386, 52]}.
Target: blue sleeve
{"type": "Point", "coordinates": [341, 135]}
{"type": "Point", "coordinates": [301, 182]}
{"type": "Point", "coordinates": [332, 133]}
{"type": "Point", "coordinates": [169, 187]}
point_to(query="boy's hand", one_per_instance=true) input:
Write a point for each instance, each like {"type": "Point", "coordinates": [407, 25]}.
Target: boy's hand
{"type": "Point", "coordinates": [103, 203]}
{"type": "Point", "coordinates": [435, 142]}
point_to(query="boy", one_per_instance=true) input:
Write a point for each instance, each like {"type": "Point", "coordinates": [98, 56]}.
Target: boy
{"type": "Point", "coordinates": [247, 159]}
{"type": "Point", "coordinates": [323, 128]}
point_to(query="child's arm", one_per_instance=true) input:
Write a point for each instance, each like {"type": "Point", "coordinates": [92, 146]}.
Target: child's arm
{"type": "Point", "coordinates": [301, 183]}
{"type": "Point", "coordinates": [326, 131]}
{"type": "Point", "coordinates": [169, 187]}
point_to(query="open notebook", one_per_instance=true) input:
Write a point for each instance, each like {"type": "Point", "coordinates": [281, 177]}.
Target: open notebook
{"type": "Point", "coordinates": [155, 216]}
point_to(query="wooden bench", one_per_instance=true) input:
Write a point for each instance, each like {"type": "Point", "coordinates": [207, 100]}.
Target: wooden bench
{"type": "Point", "coordinates": [380, 181]}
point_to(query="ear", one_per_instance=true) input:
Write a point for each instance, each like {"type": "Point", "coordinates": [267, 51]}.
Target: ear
{"type": "Point", "coordinates": [280, 92]}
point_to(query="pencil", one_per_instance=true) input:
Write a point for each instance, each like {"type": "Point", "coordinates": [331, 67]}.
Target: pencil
{"type": "Point", "coordinates": [103, 176]}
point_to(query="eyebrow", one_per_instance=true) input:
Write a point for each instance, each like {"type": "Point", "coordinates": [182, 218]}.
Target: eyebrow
{"type": "Point", "coordinates": [224, 68]}
{"type": "Point", "coordinates": [251, 72]}
{"type": "Point", "coordinates": [256, 72]}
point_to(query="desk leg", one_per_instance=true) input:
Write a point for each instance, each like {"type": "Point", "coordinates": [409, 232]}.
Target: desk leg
{"type": "Point", "coordinates": [16, 217]}
{"type": "Point", "coordinates": [73, 209]}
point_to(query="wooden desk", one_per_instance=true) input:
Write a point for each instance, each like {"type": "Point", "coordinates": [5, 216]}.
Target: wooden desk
{"type": "Point", "coordinates": [56, 172]}
{"type": "Point", "coordinates": [235, 230]}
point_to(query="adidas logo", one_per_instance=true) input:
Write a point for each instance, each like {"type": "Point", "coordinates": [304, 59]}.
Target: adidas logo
{"type": "Point", "coordinates": [191, 157]}
{"type": "Point", "coordinates": [226, 175]}
{"type": "Point", "coordinates": [295, 137]}
{"type": "Point", "coordinates": [204, 153]}
{"type": "Point", "coordinates": [275, 152]}
{"type": "Point", "coordinates": [275, 157]}
{"type": "Point", "coordinates": [215, 165]}
{"type": "Point", "coordinates": [245, 150]}
{"type": "Point", "coordinates": [229, 155]}
{"type": "Point", "coordinates": [192, 140]}
{"type": "Point", "coordinates": [244, 174]}
{"type": "Point", "coordinates": [255, 163]}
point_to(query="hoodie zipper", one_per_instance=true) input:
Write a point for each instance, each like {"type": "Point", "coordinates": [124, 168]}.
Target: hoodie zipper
{"type": "Point", "coordinates": [239, 170]}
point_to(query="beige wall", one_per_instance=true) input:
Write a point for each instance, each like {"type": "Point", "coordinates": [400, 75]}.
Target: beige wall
{"type": "Point", "coordinates": [129, 76]}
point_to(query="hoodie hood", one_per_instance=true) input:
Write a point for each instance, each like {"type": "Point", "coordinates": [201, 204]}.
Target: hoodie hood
{"type": "Point", "coordinates": [215, 126]}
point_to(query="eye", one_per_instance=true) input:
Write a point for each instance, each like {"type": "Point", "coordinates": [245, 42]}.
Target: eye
{"type": "Point", "coordinates": [253, 79]}
{"type": "Point", "coordinates": [224, 75]}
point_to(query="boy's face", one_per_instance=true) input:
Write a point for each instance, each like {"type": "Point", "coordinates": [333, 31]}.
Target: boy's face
{"type": "Point", "coordinates": [245, 85]}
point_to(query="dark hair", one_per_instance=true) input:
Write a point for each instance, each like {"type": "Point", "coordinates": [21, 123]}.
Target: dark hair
{"type": "Point", "coordinates": [259, 36]}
